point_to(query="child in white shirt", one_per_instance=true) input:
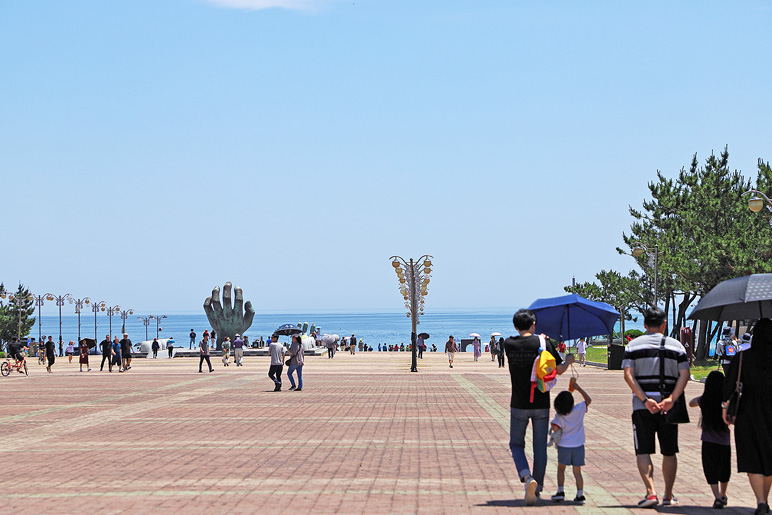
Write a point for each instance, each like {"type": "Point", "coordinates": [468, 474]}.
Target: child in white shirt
{"type": "Point", "coordinates": [569, 421]}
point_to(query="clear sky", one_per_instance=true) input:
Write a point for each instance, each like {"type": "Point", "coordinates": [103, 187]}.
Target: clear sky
{"type": "Point", "coordinates": [152, 149]}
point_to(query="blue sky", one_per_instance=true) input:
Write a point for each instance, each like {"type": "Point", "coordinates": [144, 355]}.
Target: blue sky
{"type": "Point", "coordinates": [153, 149]}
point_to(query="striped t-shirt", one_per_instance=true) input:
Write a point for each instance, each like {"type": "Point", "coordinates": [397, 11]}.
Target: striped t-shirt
{"type": "Point", "coordinates": [642, 355]}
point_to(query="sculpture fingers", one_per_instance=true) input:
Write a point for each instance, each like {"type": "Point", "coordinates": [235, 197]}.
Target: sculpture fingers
{"type": "Point", "coordinates": [226, 300]}
{"type": "Point", "coordinates": [238, 304]}
{"type": "Point", "coordinates": [208, 309]}
{"type": "Point", "coordinates": [216, 306]}
{"type": "Point", "coordinates": [249, 315]}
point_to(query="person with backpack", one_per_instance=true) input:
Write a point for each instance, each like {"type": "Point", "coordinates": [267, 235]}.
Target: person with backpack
{"type": "Point", "coordinates": [726, 349]}
{"type": "Point", "coordinates": [527, 354]}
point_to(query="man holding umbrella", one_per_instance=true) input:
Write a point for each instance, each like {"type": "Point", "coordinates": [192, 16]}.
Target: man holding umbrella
{"type": "Point", "coordinates": [529, 404]}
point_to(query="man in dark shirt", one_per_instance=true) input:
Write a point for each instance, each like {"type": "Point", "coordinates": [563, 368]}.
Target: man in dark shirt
{"type": "Point", "coordinates": [521, 352]}
{"type": "Point", "coordinates": [107, 352]}
{"type": "Point", "coordinates": [126, 351]}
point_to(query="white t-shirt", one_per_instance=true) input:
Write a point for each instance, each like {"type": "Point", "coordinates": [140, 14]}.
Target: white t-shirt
{"type": "Point", "coordinates": [572, 425]}
{"type": "Point", "coordinates": [276, 349]}
{"type": "Point", "coordinates": [581, 347]}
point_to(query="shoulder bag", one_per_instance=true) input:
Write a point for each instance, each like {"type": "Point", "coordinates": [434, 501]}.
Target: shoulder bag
{"type": "Point", "coordinates": [734, 400]}
{"type": "Point", "coordinates": [678, 414]}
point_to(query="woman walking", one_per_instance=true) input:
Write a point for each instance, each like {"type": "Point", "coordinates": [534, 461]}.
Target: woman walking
{"type": "Point", "coordinates": [476, 348]}
{"type": "Point", "coordinates": [70, 350]}
{"type": "Point", "coordinates": [492, 347]}
{"type": "Point", "coordinates": [296, 363]}
{"type": "Point", "coordinates": [83, 348]}
{"type": "Point", "coordinates": [754, 416]}
{"type": "Point", "coordinates": [501, 352]}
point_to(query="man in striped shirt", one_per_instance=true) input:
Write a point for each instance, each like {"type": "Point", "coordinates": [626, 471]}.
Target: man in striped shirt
{"type": "Point", "coordinates": [642, 373]}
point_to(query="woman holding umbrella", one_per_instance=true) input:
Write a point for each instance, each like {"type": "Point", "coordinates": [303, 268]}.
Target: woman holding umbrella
{"type": "Point", "coordinates": [476, 345]}
{"type": "Point", "coordinates": [83, 348]}
{"type": "Point", "coordinates": [296, 363]}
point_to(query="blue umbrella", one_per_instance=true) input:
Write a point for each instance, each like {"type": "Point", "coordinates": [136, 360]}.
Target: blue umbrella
{"type": "Point", "coordinates": [572, 316]}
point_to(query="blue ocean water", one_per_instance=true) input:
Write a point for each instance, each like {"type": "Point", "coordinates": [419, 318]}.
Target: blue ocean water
{"type": "Point", "coordinates": [373, 327]}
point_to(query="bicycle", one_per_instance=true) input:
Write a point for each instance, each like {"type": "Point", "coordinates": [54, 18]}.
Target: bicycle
{"type": "Point", "coordinates": [7, 367]}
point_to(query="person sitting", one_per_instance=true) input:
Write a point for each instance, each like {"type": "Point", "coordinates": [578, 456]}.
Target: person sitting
{"type": "Point", "coordinates": [402, 347]}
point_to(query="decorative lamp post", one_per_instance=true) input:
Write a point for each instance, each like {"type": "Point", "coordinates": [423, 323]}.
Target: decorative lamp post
{"type": "Point", "coordinates": [95, 307]}
{"type": "Point", "coordinates": [124, 315]}
{"type": "Point", "coordinates": [18, 302]}
{"type": "Point", "coordinates": [157, 323]}
{"type": "Point", "coordinates": [756, 202]}
{"type": "Point", "coordinates": [414, 277]}
{"type": "Point", "coordinates": [110, 312]}
{"type": "Point", "coordinates": [146, 321]}
{"type": "Point", "coordinates": [60, 299]}
{"type": "Point", "coordinates": [78, 308]}
{"type": "Point", "coordinates": [641, 249]}
{"type": "Point", "coordinates": [39, 301]}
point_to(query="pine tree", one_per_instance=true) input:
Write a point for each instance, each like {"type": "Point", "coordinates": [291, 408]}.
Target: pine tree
{"type": "Point", "coordinates": [16, 310]}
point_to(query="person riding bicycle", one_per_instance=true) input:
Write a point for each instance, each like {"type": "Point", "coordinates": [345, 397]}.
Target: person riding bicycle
{"type": "Point", "coordinates": [14, 351]}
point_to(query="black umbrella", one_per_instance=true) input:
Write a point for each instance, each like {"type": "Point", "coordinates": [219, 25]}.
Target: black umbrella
{"type": "Point", "coordinates": [425, 336]}
{"type": "Point", "coordinates": [90, 341]}
{"type": "Point", "coordinates": [288, 330]}
{"type": "Point", "coordinates": [741, 298]}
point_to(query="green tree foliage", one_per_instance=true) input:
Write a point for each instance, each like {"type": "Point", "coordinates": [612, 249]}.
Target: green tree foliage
{"type": "Point", "coordinates": [16, 311]}
{"type": "Point", "coordinates": [622, 292]}
{"type": "Point", "coordinates": [704, 232]}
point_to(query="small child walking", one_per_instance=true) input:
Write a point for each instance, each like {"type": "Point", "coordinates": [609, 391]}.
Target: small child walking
{"type": "Point", "coordinates": [569, 424]}
{"type": "Point", "coordinates": [716, 449]}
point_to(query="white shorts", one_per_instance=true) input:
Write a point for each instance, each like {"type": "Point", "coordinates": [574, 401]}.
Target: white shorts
{"type": "Point", "coordinates": [450, 355]}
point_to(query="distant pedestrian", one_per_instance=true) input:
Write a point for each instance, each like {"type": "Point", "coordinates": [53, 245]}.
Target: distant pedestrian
{"type": "Point", "coordinates": [352, 344]}
{"type": "Point", "coordinates": [330, 347]}
{"type": "Point", "coordinates": [727, 348]}
{"type": "Point", "coordinates": [569, 421]}
{"type": "Point", "coordinates": [170, 346]}
{"type": "Point", "coordinates": [155, 346]}
{"type": "Point", "coordinates": [192, 338]}
{"type": "Point", "coordinates": [213, 338]}
{"type": "Point", "coordinates": [562, 350]}
{"type": "Point", "coordinates": [493, 346]}
{"type": "Point", "coordinates": [83, 348]}
{"type": "Point", "coordinates": [450, 349]}
{"type": "Point", "coordinates": [61, 348]}
{"type": "Point", "coordinates": [420, 347]}
{"type": "Point", "coordinates": [204, 353]}
{"type": "Point", "coordinates": [70, 350]}
{"type": "Point", "coordinates": [206, 335]}
{"type": "Point", "coordinates": [226, 351]}
{"type": "Point", "coordinates": [50, 353]}
{"type": "Point", "coordinates": [126, 352]}
{"type": "Point", "coordinates": [716, 445]}
{"type": "Point", "coordinates": [106, 347]}
{"type": "Point", "coordinates": [501, 353]}
{"type": "Point", "coordinates": [296, 363]}
{"type": "Point", "coordinates": [238, 349]}
{"type": "Point", "coordinates": [476, 348]}
{"type": "Point", "coordinates": [276, 350]}
{"type": "Point", "coordinates": [581, 352]}
{"type": "Point", "coordinates": [116, 355]}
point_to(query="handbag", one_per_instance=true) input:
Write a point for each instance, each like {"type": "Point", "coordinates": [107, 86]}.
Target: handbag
{"type": "Point", "coordinates": [734, 400]}
{"type": "Point", "coordinates": [678, 414]}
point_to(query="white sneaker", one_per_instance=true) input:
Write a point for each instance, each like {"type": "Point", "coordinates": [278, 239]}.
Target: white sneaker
{"type": "Point", "coordinates": [530, 491]}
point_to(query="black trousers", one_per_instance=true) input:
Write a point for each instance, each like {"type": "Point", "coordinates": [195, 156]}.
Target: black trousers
{"type": "Point", "coordinates": [170, 349]}
{"type": "Point", "coordinates": [500, 355]}
{"type": "Point", "coordinates": [275, 373]}
{"type": "Point", "coordinates": [104, 357]}
{"type": "Point", "coordinates": [330, 352]}
{"type": "Point", "coordinates": [201, 362]}
{"type": "Point", "coordinates": [155, 353]}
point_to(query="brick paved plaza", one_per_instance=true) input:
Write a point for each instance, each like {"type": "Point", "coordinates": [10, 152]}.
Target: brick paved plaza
{"type": "Point", "coordinates": [364, 436]}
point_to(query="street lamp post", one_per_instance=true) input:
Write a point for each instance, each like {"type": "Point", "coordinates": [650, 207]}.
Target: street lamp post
{"type": "Point", "coordinates": [39, 301]}
{"type": "Point", "coordinates": [157, 323]}
{"type": "Point", "coordinates": [146, 321]}
{"type": "Point", "coordinates": [78, 308]}
{"type": "Point", "coordinates": [414, 276]}
{"type": "Point", "coordinates": [110, 312]}
{"type": "Point", "coordinates": [60, 299]}
{"type": "Point", "coordinates": [638, 251]}
{"type": "Point", "coordinates": [124, 315]}
{"type": "Point", "coordinates": [95, 307]}
{"type": "Point", "coordinates": [756, 202]}
{"type": "Point", "coordinates": [18, 302]}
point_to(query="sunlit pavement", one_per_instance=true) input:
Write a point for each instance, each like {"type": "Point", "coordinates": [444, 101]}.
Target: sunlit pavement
{"type": "Point", "coordinates": [364, 436]}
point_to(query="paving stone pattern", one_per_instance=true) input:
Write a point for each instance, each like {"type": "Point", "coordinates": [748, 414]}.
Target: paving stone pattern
{"type": "Point", "coordinates": [364, 436]}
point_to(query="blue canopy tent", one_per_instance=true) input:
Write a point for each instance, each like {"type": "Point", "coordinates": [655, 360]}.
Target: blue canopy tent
{"type": "Point", "coordinates": [572, 316]}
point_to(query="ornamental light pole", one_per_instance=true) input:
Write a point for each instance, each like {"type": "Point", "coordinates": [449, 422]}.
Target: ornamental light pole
{"type": "Point", "coordinates": [641, 249]}
{"type": "Point", "coordinates": [146, 321]}
{"type": "Point", "coordinates": [124, 315]}
{"type": "Point", "coordinates": [756, 202]}
{"type": "Point", "coordinates": [110, 312]}
{"type": "Point", "coordinates": [78, 308]}
{"type": "Point", "coordinates": [60, 299]}
{"type": "Point", "coordinates": [95, 307]}
{"type": "Point", "coordinates": [157, 323]}
{"type": "Point", "coordinates": [39, 301]}
{"type": "Point", "coordinates": [414, 277]}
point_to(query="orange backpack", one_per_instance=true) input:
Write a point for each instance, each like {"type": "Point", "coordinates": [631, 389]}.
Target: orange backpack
{"type": "Point", "coordinates": [544, 374]}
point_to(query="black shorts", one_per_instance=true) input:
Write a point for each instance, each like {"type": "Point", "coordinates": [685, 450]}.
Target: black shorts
{"type": "Point", "coordinates": [645, 426]}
